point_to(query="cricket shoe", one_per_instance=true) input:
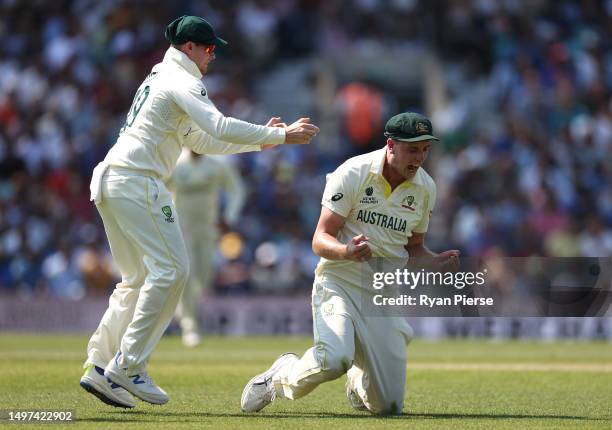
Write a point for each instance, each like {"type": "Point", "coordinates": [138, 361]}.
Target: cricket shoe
{"type": "Point", "coordinates": [259, 392]}
{"type": "Point", "coordinates": [354, 398]}
{"type": "Point", "coordinates": [93, 381]}
{"type": "Point", "coordinates": [140, 384]}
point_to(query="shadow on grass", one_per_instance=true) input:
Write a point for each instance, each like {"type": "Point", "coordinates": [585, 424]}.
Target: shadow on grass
{"type": "Point", "coordinates": [143, 416]}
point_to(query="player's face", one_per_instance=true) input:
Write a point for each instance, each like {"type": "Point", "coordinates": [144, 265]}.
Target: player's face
{"type": "Point", "coordinates": [406, 157]}
{"type": "Point", "coordinates": [202, 55]}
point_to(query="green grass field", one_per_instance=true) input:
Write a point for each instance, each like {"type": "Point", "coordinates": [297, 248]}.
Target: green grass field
{"type": "Point", "coordinates": [451, 384]}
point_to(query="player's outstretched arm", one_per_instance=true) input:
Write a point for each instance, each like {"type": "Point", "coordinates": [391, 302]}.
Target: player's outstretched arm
{"type": "Point", "coordinates": [325, 244]}
{"type": "Point", "coordinates": [203, 143]}
{"type": "Point", "coordinates": [211, 121]}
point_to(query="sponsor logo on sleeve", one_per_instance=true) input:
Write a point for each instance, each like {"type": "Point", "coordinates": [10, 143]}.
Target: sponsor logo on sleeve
{"type": "Point", "coordinates": [337, 197]}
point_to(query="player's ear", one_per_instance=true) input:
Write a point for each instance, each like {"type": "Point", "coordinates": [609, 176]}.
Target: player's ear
{"type": "Point", "coordinates": [184, 48]}
{"type": "Point", "coordinates": [188, 47]}
{"type": "Point", "coordinates": [391, 145]}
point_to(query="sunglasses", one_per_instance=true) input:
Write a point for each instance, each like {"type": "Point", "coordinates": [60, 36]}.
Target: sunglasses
{"type": "Point", "coordinates": [210, 49]}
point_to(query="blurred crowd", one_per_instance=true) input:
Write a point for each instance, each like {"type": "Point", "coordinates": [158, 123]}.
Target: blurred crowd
{"type": "Point", "coordinates": [523, 106]}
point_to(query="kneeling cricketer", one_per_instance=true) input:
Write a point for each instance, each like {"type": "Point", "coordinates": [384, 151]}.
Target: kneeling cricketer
{"type": "Point", "coordinates": [374, 205]}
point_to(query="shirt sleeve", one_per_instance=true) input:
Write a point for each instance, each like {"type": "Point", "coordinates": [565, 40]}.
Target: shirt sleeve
{"type": "Point", "coordinates": [207, 117]}
{"type": "Point", "coordinates": [339, 194]}
{"type": "Point", "coordinates": [203, 143]}
{"type": "Point", "coordinates": [430, 203]}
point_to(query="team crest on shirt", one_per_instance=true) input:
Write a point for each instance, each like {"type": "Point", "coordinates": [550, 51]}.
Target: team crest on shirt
{"type": "Point", "coordinates": [328, 309]}
{"type": "Point", "coordinates": [409, 203]}
{"type": "Point", "coordinates": [167, 211]}
{"type": "Point", "coordinates": [369, 198]}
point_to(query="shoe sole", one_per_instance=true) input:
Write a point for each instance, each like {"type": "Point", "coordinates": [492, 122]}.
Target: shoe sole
{"type": "Point", "coordinates": [118, 380]}
{"type": "Point", "coordinates": [90, 388]}
{"type": "Point", "coordinates": [251, 382]}
{"type": "Point", "coordinates": [358, 404]}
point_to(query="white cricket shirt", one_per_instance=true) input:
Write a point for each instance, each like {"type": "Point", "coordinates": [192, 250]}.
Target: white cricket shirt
{"type": "Point", "coordinates": [197, 185]}
{"type": "Point", "coordinates": [171, 109]}
{"type": "Point", "coordinates": [358, 192]}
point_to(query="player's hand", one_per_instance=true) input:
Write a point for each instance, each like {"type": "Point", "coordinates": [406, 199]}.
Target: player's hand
{"type": "Point", "coordinates": [358, 249]}
{"type": "Point", "coordinates": [276, 121]}
{"type": "Point", "coordinates": [300, 132]}
{"type": "Point", "coordinates": [448, 260]}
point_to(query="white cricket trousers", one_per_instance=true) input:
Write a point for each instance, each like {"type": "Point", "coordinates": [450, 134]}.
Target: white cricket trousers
{"type": "Point", "coordinates": [147, 245]}
{"type": "Point", "coordinates": [371, 349]}
{"type": "Point", "coordinates": [201, 242]}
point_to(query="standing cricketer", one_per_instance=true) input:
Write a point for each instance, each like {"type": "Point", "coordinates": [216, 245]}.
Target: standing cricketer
{"type": "Point", "coordinates": [197, 183]}
{"type": "Point", "coordinates": [170, 110]}
{"type": "Point", "coordinates": [377, 204]}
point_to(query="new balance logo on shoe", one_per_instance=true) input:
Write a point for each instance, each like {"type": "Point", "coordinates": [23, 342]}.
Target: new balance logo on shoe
{"type": "Point", "coordinates": [100, 372]}
{"type": "Point", "coordinates": [95, 382]}
{"type": "Point", "coordinates": [140, 384]}
{"type": "Point", "coordinates": [136, 379]}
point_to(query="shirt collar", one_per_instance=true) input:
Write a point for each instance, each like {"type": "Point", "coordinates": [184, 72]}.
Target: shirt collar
{"type": "Point", "coordinates": [378, 161]}
{"type": "Point", "coordinates": [174, 56]}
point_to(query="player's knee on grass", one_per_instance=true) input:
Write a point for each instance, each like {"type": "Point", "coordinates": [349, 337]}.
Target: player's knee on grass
{"type": "Point", "coordinates": [335, 362]}
{"type": "Point", "coordinates": [387, 407]}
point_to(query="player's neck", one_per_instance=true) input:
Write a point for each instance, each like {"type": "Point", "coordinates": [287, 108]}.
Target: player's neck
{"type": "Point", "coordinates": [392, 176]}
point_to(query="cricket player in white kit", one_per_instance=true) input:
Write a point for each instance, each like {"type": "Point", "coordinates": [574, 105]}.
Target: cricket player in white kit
{"type": "Point", "coordinates": [377, 204]}
{"type": "Point", "coordinates": [171, 110]}
{"type": "Point", "coordinates": [197, 184]}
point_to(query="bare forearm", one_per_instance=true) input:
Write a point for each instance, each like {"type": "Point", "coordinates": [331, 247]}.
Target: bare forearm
{"type": "Point", "coordinates": [327, 246]}
{"type": "Point", "coordinates": [420, 251]}
{"type": "Point", "coordinates": [422, 257]}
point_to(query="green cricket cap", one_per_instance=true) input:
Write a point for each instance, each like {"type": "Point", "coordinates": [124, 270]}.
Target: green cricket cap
{"type": "Point", "coordinates": [409, 127]}
{"type": "Point", "coordinates": [189, 28]}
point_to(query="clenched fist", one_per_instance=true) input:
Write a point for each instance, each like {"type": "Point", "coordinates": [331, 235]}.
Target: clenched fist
{"type": "Point", "coordinates": [358, 249]}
